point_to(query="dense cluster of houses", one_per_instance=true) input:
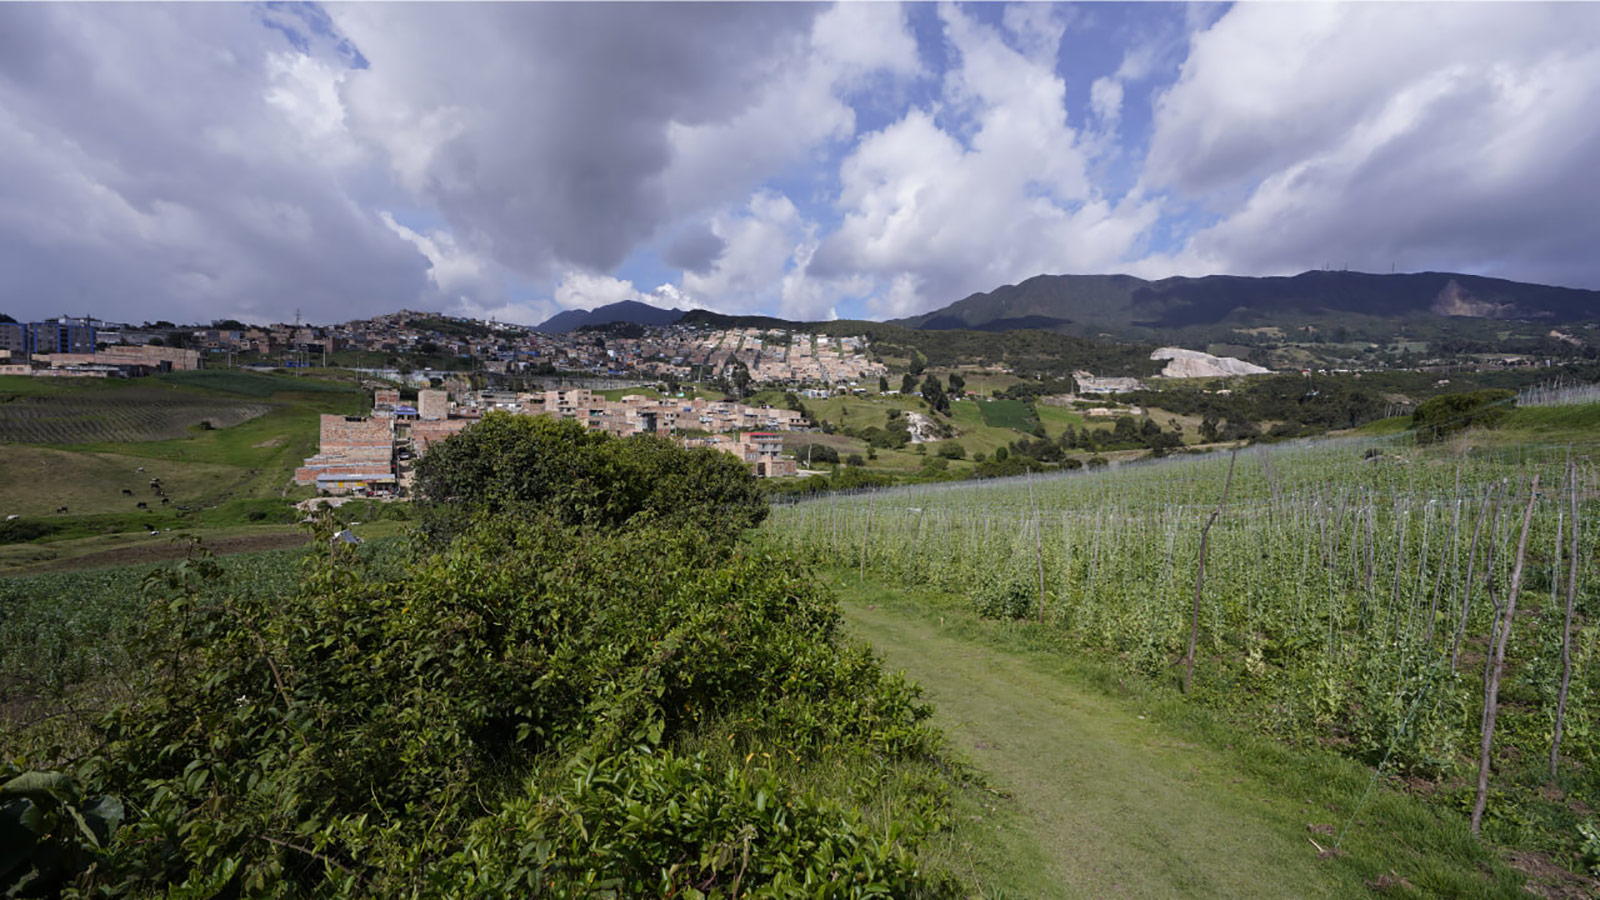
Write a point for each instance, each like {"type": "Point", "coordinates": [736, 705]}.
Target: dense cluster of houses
{"type": "Point", "coordinates": [369, 453]}
{"type": "Point", "coordinates": [84, 345]}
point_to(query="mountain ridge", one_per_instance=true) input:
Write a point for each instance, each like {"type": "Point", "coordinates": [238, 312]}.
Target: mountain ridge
{"type": "Point", "coordinates": [1130, 307]}
{"type": "Point", "coordinates": [631, 311]}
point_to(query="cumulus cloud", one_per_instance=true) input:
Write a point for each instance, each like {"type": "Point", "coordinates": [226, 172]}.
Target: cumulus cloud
{"type": "Point", "coordinates": [764, 241]}
{"type": "Point", "coordinates": [1418, 136]}
{"type": "Point", "coordinates": [934, 213]}
{"type": "Point", "coordinates": [543, 132]}
{"type": "Point", "coordinates": [200, 161]}
{"type": "Point", "coordinates": [168, 161]}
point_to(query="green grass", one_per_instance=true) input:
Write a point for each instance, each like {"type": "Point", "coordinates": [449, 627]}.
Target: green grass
{"type": "Point", "coordinates": [252, 384]}
{"type": "Point", "coordinates": [1581, 421]}
{"type": "Point", "coordinates": [1055, 419]}
{"type": "Point", "coordinates": [1385, 427]}
{"type": "Point", "coordinates": [619, 393]}
{"type": "Point", "coordinates": [36, 481]}
{"type": "Point", "coordinates": [218, 467]}
{"type": "Point", "coordinates": [1009, 414]}
{"type": "Point", "coordinates": [1117, 787]}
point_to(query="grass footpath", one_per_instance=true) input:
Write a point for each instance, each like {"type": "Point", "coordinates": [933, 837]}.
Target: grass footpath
{"type": "Point", "coordinates": [1116, 791]}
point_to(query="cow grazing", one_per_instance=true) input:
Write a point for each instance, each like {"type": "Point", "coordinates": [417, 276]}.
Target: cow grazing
{"type": "Point", "coordinates": [127, 493]}
{"type": "Point", "coordinates": [143, 505]}
{"type": "Point", "coordinates": [61, 509]}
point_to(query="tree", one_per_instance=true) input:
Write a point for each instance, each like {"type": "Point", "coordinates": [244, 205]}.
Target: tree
{"type": "Point", "coordinates": [958, 385]}
{"type": "Point", "coordinates": [1447, 414]}
{"type": "Point", "coordinates": [918, 362]}
{"type": "Point", "coordinates": [539, 466]}
{"type": "Point", "coordinates": [883, 384]}
{"type": "Point", "coordinates": [741, 378]}
{"type": "Point", "coordinates": [908, 384]}
{"type": "Point", "coordinates": [933, 392]}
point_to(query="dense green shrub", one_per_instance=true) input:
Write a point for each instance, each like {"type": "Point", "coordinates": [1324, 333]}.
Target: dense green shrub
{"type": "Point", "coordinates": [532, 465]}
{"type": "Point", "coordinates": [17, 531]}
{"type": "Point", "coordinates": [1005, 594]}
{"type": "Point", "coordinates": [356, 734]}
{"type": "Point", "coordinates": [816, 454]}
{"type": "Point", "coordinates": [1445, 415]}
{"type": "Point", "coordinates": [659, 824]}
{"type": "Point", "coordinates": [49, 831]}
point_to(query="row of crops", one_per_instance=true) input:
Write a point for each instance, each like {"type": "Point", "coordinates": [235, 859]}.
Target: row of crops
{"type": "Point", "coordinates": [127, 415]}
{"type": "Point", "coordinates": [1350, 594]}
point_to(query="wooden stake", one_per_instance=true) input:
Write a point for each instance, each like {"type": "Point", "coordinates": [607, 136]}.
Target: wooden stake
{"type": "Point", "coordinates": [1200, 575]}
{"type": "Point", "coordinates": [1491, 697]}
{"type": "Point", "coordinates": [1566, 628]}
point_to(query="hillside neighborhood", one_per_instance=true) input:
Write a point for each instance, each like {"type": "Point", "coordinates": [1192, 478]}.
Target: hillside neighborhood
{"type": "Point", "coordinates": [89, 347]}
{"type": "Point", "coordinates": [369, 454]}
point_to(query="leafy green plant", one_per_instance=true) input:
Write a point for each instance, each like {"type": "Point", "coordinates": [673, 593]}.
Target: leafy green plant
{"type": "Point", "coordinates": [1589, 846]}
{"type": "Point", "coordinates": [1005, 594]}
{"type": "Point", "coordinates": [50, 833]}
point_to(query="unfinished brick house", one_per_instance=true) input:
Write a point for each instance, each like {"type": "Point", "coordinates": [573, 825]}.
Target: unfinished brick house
{"type": "Point", "coordinates": [356, 453]}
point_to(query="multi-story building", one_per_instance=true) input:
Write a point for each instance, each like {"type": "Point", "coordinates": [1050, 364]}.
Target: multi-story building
{"type": "Point", "coordinates": [433, 405]}
{"type": "Point", "coordinates": [14, 339]}
{"type": "Point", "coordinates": [60, 337]}
{"type": "Point", "coordinates": [356, 453]}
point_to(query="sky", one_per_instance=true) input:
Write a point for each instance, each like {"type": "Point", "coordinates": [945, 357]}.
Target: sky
{"type": "Point", "coordinates": [193, 162]}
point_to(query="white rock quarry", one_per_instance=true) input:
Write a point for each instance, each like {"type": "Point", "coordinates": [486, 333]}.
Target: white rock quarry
{"type": "Point", "coordinates": [1194, 364]}
{"type": "Point", "coordinates": [922, 428]}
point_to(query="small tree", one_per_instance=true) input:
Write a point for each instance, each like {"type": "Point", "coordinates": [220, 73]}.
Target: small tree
{"type": "Point", "coordinates": [908, 384]}
{"type": "Point", "coordinates": [933, 392]}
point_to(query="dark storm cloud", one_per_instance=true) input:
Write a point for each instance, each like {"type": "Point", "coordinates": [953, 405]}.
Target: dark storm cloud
{"type": "Point", "coordinates": [541, 131]}
{"type": "Point", "coordinates": [694, 249]}
{"type": "Point", "coordinates": [1416, 136]}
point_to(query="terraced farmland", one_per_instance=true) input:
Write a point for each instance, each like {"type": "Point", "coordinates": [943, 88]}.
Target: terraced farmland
{"type": "Point", "coordinates": [130, 415]}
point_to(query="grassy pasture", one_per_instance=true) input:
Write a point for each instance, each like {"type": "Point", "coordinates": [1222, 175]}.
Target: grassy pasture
{"type": "Point", "coordinates": [1015, 414]}
{"type": "Point", "coordinates": [70, 443]}
{"type": "Point", "coordinates": [35, 481]}
{"type": "Point", "coordinates": [252, 384]}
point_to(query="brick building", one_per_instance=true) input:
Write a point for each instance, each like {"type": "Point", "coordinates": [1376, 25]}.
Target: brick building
{"type": "Point", "coordinates": [356, 453]}
{"type": "Point", "coordinates": [433, 405]}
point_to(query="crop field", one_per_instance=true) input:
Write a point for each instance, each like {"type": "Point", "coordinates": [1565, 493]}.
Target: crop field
{"type": "Point", "coordinates": [1009, 414]}
{"type": "Point", "coordinates": [125, 415]}
{"type": "Point", "coordinates": [77, 643]}
{"type": "Point", "coordinates": [1353, 596]}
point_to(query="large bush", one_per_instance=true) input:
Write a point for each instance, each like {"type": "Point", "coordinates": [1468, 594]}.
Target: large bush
{"type": "Point", "coordinates": [538, 465]}
{"type": "Point", "coordinates": [415, 732]}
{"type": "Point", "coordinates": [1447, 414]}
